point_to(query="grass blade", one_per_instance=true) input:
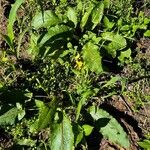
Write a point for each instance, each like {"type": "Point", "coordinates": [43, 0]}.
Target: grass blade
{"type": "Point", "coordinates": [12, 18]}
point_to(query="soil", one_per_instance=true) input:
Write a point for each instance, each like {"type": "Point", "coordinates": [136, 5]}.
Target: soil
{"type": "Point", "coordinates": [135, 123]}
{"type": "Point", "coordinates": [3, 20]}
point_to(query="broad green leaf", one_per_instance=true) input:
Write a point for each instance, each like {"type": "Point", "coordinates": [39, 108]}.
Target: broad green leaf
{"type": "Point", "coordinates": [54, 31]}
{"type": "Point", "coordinates": [33, 49]}
{"type": "Point", "coordinates": [146, 21]}
{"type": "Point", "coordinates": [21, 114]}
{"type": "Point", "coordinates": [87, 129]}
{"type": "Point", "coordinates": [111, 49]}
{"type": "Point", "coordinates": [107, 23]}
{"type": "Point", "coordinates": [21, 111]}
{"type": "Point", "coordinates": [12, 18]}
{"type": "Point", "coordinates": [9, 117]}
{"type": "Point", "coordinates": [145, 144]}
{"type": "Point", "coordinates": [125, 56]}
{"type": "Point", "coordinates": [46, 114]}
{"type": "Point", "coordinates": [86, 16]}
{"type": "Point", "coordinates": [120, 22]}
{"type": "Point", "coordinates": [125, 28]}
{"type": "Point", "coordinates": [82, 101]}
{"type": "Point", "coordinates": [112, 81]}
{"type": "Point", "coordinates": [109, 127]}
{"type": "Point", "coordinates": [147, 33]}
{"type": "Point", "coordinates": [72, 15]}
{"type": "Point", "coordinates": [117, 42]}
{"type": "Point", "coordinates": [78, 133]}
{"type": "Point", "coordinates": [92, 58]}
{"type": "Point", "coordinates": [61, 136]}
{"type": "Point", "coordinates": [97, 14]}
{"type": "Point", "coordinates": [45, 20]}
{"type": "Point", "coordinates": [116, 38]}
{"type": "Point", "coordinates": [106, 3]}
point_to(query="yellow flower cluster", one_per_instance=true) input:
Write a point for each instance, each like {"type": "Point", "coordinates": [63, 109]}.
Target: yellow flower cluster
{"type": "Point", "coordinates": [78, 61]}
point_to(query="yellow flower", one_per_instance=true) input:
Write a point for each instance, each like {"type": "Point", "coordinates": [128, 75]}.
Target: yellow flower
{"type": "Point", "coordinates": [79, 63]}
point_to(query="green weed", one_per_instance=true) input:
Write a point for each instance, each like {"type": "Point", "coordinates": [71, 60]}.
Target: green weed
{"type": "Point", "coordinates": [60, 83]}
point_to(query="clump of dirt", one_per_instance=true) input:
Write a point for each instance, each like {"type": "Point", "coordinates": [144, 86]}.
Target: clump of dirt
{"type": "Point", "coordinates": [6, 141]}
{"type": "Point", "coordinates": [143, 118]}
{"type": "Point", "coordinates": [3, 20]}
{"type": "Point", "coordinates": [107, 145]}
